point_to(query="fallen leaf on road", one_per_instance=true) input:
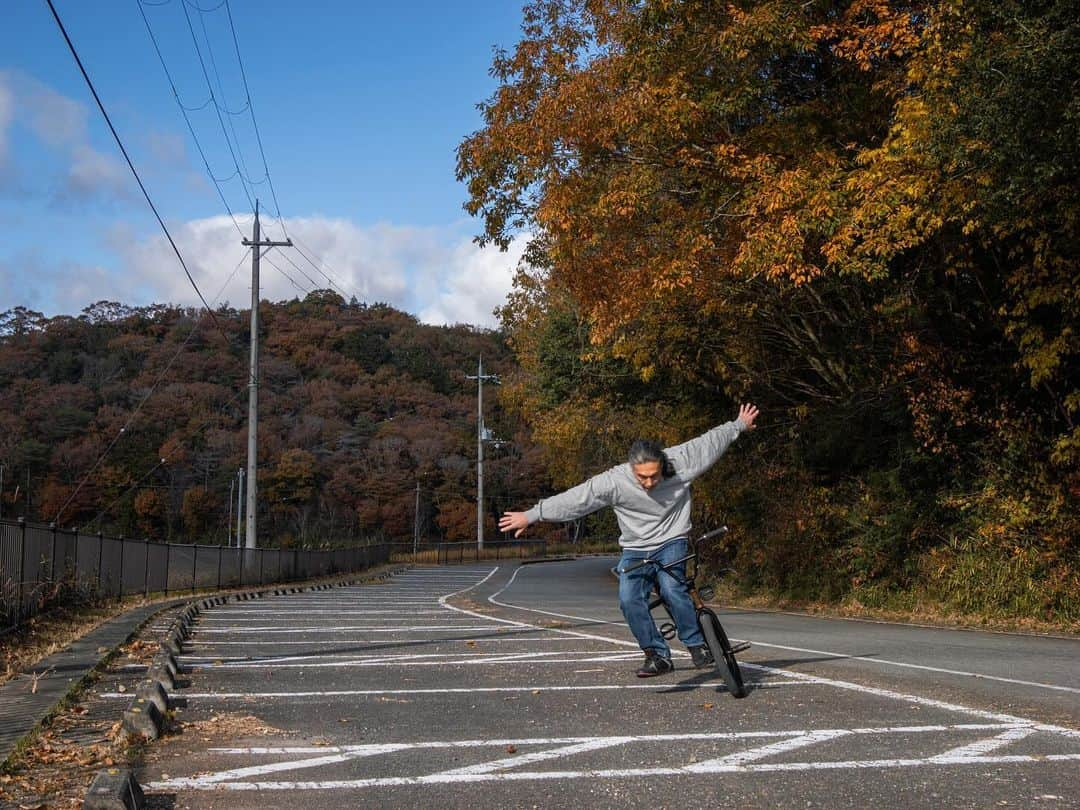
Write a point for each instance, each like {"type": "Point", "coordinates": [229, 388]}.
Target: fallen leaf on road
{"type": "Point", "coordinates": [706, 705]}
{"type": "Point", "coordinates": [511, 749]}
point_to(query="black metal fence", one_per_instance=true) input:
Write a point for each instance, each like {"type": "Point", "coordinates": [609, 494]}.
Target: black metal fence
{"type": "Point", "coordinates": [39, 564]}
{"type": "Point", "coordinates": [447, 553]}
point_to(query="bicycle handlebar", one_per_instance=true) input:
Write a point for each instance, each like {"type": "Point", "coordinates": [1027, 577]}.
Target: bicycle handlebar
{"type": "Point", "coordinates": [646, 560]}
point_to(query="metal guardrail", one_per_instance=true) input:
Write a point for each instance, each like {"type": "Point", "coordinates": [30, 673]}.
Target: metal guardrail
{"type": "Point", "coordinates": [40, 564]}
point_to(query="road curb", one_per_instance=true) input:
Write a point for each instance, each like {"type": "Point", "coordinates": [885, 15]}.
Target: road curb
{"type": "Point", "coordinates": [114, 789]}
{"type": "Point", "coordinates": [147, 715]}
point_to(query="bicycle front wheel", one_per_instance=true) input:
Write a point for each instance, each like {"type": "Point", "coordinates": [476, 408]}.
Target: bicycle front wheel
{"type": "Point", "coordinates": [723, 658]}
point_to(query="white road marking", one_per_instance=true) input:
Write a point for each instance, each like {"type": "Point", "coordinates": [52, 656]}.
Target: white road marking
{"type": "Point", "coordinates": [451, 690]}
{"type": "Point", "coordinates": [765, 751]}
{"type": "Point", "coordinates": [829, 653]}
{"type": "Point", "coordinates": [982, 747]}
{"type": "Point", "coordinates": [401, 657]}
{"type": "Point", "coordinates": [416, 628]}
{"type": "Point", "coordinates": [516, 638]}
{"type": "Point", "coordinates": [887, 693]}
{"type": "Point", "coordinates": [500, 769]}
{"type": "Point", "coordinates": [361, 663]}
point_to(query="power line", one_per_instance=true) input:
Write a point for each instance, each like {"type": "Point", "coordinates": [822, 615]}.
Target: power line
{"type": "Point", "coordinates": [119, 143]}
{"type": "Point", "coordinates": [187, 120]}
{"type": "Point", "coordinates": [221, 121]}
{"type": "Point", "coordinates": [131, 418]}
{"type": "Point", "coordinates": [254, 123]}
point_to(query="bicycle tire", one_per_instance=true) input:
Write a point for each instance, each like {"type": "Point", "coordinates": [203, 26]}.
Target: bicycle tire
{"type": "Point", "coordinates": [723, 658]}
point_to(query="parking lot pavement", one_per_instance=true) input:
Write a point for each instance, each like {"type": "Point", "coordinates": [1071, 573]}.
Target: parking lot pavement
{"type": "Point", "coordinates": [439, 686]}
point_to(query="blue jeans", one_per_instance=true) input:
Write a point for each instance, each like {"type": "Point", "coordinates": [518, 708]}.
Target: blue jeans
{"type": "Point", "coordinates": [636, 590]}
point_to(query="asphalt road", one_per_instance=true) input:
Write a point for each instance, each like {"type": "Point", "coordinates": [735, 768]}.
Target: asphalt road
{"type": "Point", "coordinates": [513, 686]}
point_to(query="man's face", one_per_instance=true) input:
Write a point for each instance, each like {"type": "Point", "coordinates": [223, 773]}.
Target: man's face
{"type": "Point", "coordinates": [648, 473]}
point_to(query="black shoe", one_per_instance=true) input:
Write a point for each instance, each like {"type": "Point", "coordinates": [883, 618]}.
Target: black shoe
{"type": "Point", "coordinates": [701, 656]}
{"type": "Point", "coordinates": [655, 664]}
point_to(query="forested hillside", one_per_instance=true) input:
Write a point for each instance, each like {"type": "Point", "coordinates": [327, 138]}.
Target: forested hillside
{"type": "Point", "coordinates": [864, 217]}
{"type": "Point", "coordinates": [133, 421]}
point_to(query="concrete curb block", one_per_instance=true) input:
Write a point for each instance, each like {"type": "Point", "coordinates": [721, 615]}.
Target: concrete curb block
{"type": "Point", "coordinates": [114, 789]}
{"type": "Point", "coordinates": [143, 719]}
{"type": "Point", "coordinates": [153, 691]}
{"type": "Point", "coordinates": [117, 789]}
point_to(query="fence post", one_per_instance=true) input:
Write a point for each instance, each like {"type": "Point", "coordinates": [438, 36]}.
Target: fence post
{"type": "Point", "coordinates": [22, 570]}
{"type": "Point", "coordinates": [52, 557]}
{"type": "Point", "coordinates": [219, 568]}
{"type": "Point", "coordinates": [262, 556]}
{"type": "Point", "coordinates": [194, 564]}
{"type": "Point", "coordinates": [146, 569]}
{"type": "Point", "coordinates": [100, 551]}
{"type": "Point", "coordinates": [120, 596]}
{"type": "Point", "coordinates": [168, 565]}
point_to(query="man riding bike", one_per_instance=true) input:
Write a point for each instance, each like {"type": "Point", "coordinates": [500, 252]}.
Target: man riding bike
{"type": "Point", "coordinates": [650, 496]}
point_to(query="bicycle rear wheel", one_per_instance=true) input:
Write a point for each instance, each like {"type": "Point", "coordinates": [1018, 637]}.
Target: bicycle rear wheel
{"type": "Point", "coordinates": [723, 657]}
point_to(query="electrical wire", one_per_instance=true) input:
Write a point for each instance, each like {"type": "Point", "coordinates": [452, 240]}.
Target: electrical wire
{"type": "Point", "coordinates": [221, 121]}
{"type": "Point", "coordinates": [131, 165]}
{"type": "Point", "coordinates": [254, 123]}
{"type": "Point", "coordinates": [131, 418]}
{"type": "Point", "coordinates": [183, 110]}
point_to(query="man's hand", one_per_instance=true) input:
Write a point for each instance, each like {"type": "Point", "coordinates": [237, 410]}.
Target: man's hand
{"type": "Point", "coordinates": [747, 415]}
{"type": "Point", "coordinates": [515, 522]}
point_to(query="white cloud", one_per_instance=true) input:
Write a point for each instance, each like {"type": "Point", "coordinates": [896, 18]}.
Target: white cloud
{"type": "Point", "coordinates": [93, 173]}
{"type": "Point", "coordinates": [436, 273]}
{"type": "Point", "coordinates": [475, 281]}
{"type": "Point", "coordinates": [55, 118]}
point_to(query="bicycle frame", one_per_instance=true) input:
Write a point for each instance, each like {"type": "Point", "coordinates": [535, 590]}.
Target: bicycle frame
{"type": "Point", "coordinates": [716, 639]}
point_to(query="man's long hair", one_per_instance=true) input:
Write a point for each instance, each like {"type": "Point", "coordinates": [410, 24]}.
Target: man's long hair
{"type": "Point", "coordinates": [643, 451]}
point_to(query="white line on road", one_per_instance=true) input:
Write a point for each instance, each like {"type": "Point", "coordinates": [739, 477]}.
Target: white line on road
{"type": "Point", "coordinates": [450, 690]}
{"type": "Point", "coordinates": [829, 653]}
{"type": "Point", "coordinates": [847, 685]}
{"type": "Point", "coordinates": [499, 769]}
{"type": "Point", "coordinates": [423, 628]}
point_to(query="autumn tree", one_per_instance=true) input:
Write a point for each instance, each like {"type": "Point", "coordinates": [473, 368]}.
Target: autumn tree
{"type": "Point", "coordinates": [862, 214]}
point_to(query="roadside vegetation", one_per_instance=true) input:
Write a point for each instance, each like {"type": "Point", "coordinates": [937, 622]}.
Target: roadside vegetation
{"type": "Point", "coordinates": [863, 217]}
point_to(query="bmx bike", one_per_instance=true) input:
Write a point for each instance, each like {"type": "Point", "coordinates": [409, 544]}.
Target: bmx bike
{"type": "Point", "coordinates": [722, 650]}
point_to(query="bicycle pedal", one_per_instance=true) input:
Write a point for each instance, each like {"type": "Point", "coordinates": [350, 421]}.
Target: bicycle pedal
{"type": "Point", "coordinates": [668, 631]}
{"type": "Point", "coordinates": [742, 645]}
{"type": "Point", "coordinates": [706, 593]}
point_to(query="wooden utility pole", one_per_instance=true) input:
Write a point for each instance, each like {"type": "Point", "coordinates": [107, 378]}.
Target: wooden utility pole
{"type": "Point", "coordinates": [256, 244]}
{"type": "Point", "coordinates": [482, 435]}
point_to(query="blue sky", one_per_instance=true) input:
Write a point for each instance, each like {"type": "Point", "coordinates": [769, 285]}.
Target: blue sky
{"type": "Point", "coordinates": [359, 105]}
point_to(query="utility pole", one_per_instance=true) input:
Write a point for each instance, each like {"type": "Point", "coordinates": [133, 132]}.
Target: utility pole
{"type": "Point", "coordinates": [228, 523]}
{"type": "Point", "coordinates": [481, 435]}
{"type": "Point", "coordinates": [416, 522]}
{"type": "Point", "coordinates": [256, 244]}
{"type": "Point", "coordinates": [239, 510]}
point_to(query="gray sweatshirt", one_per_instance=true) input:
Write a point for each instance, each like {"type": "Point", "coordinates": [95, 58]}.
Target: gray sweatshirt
{"type": "Point", "coordinates": [646, 517]}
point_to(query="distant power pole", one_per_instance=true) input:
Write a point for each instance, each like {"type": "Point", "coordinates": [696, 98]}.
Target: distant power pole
{"type": "Point", "coordinates": [255, 243]}
{"type": "Point", "coordinates": [239, 508]}
{"type": "Point", "coordinates": [482, 434]}
{"type": "Point", "coordinates": [416, 521]}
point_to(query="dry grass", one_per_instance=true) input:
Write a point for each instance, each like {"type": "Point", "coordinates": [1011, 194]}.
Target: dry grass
{"type": "Point", "coordinates": [51, 631]}
{"type": "Point", "coordinates": [55, 766]}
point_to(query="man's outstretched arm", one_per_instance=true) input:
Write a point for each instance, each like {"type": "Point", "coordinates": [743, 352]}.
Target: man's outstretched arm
{"type": "Point", "coordinates": [596, 493]}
